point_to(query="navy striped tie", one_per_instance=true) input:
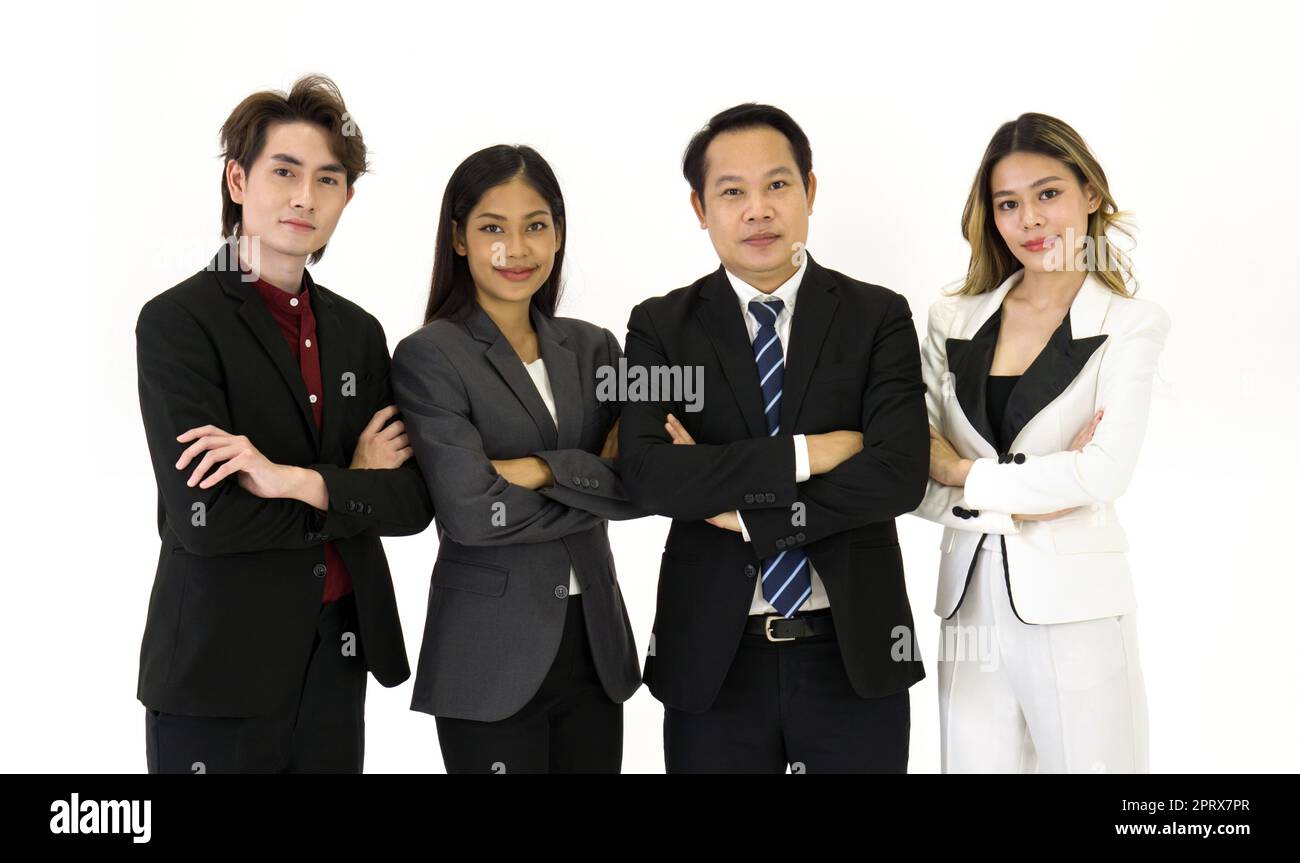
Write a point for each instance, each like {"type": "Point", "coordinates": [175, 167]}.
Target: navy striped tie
{"type": "Point", "coordinates": [786, 578]}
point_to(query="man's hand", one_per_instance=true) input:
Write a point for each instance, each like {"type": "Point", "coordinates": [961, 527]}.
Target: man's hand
{"type": "Point", "coordinates": [382, 447]}
{"type": "Point", "coordinates": [256, 473]}
{"type": "Point", "coordinates": [827, 451]}
{"type": "Point", "coordinates": [610, 449]}
{"type": "Point", "coordinates": [729, 520]}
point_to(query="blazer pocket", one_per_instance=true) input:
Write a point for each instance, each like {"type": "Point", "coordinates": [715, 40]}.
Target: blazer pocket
{"type": "Point", "coordinates": [482, 578]}
{"type": "Point", "coordinates": [1083, 539]}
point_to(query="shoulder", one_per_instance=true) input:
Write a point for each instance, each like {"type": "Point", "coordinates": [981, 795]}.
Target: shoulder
{"type": "Point", "coordinates": [856, 290]}
{"type": "Point", "coordinates": [674, 303]}
{"type": "Point", "coordinates": [191, 300]}
{"type": "Point", "coordinates": [1136, 315]}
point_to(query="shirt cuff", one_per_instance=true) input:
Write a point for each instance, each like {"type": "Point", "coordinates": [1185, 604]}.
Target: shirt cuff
{"type": "Point", "coordinates": [744, 533]}
{"type": "Point", "coordinates": [802, 471]}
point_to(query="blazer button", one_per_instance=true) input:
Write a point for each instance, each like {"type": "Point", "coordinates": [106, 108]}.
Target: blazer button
{"type": "Point", "coordinates": [800, 537]}
{"type": "Point", "coordinates": [974, 513]}
{"type": "Point", "coordinates": [318, 570]}
{"type": "Point", "coordinates": [369, 509]}
{"type": "Point", "coordinates": [577, 480]}
{"type": "Point", "coordinates": [749, 498]}
{"type": "Point", "coordinates": [769, 497]}
{"type": "Point", "coordinates": [586, 483]}
{"type": "Point", "coordinates": [352, 506]}
{"type": "Point", "coordinates": [956, 510]}
{"type": "Point", "coordinates": [789, 540]}
{"type": "Point", "coordinates": [750, 570]}
{"type": "Point", "coordinates": [595, 483]}
{"type": "Point", "coordinates": [780, 543]}
{"type": "Point", "coordinates": [561, 591]}
{"type": "Point", "coordinates": [1020, 458]}
{"type": "Point", "coordinates": [311, 537]}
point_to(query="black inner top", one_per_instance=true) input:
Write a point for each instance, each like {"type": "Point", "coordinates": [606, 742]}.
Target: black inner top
{"type": "Point", "coordinates": [999, 390]}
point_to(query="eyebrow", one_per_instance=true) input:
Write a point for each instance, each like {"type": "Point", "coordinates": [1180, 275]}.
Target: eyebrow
{"type": "Point", "coordinates": [1034, 186]}
{"type": "Point", "coordinates": [332, 167]}
{"type": "Point", "coordinates": [733, 178]}
{"type": "Point", "coordinates": [503, 218]}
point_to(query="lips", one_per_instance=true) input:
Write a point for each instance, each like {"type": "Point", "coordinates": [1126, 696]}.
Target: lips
{"type": "Point", "coordinates": [298, 225]}
{"type": "Point", "coordinates": [1039, 244]}
{"type": "Point", "coordinates": [762, 239]}
{"type": "Point", "coordinates": [516, 274]}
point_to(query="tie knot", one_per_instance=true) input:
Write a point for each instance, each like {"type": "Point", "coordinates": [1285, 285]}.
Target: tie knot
{"type": "Point", "coordinates": [766, 312]}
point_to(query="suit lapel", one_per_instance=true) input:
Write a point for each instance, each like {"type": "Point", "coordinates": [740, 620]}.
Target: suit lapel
{"type": "Point", "coordinates": [720, 316]}
{"type": "Point", "coordinates": [258, 318]}
{"type": "Point", "coordinates": [1067, 351]}
{"type": "Point", "coordinates": [562, 371]}
{"type": "Point", "coordinates": [333, 362]}
{"type": "Point", "coordinates": [501, 355]}
{"type": "Point", "coordinates": [815, 305]}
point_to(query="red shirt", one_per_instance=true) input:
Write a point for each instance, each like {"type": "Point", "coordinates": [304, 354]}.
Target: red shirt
{"type": "Point", "coordinates": [297, 324]}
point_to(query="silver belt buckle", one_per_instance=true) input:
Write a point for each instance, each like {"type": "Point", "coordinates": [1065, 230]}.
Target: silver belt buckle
{"type": "Point", "coordinates": [767, 628]}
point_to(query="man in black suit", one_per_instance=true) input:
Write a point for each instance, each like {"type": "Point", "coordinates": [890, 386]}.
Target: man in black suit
{"type": "Point", "coordinates": [265, 399]}
{"type": "Point", "coordinates": [783, 634]}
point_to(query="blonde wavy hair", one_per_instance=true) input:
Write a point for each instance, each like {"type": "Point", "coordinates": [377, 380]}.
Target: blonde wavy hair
{"type": "Point", "coordinates": [991, 262]}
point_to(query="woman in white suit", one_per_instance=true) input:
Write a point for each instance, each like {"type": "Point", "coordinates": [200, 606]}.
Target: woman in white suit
{"type": "Point", "coordinates": [1038, 376]}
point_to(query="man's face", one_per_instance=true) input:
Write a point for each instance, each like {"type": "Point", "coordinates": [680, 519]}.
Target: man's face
{"type": "Point", "coordinates": [754, 204]}
{"type": "Point", "coordinates": [293, 193]}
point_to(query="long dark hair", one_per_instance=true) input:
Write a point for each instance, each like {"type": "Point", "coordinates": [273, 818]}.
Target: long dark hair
{"type": "Point", "coordinates": [451, 293]}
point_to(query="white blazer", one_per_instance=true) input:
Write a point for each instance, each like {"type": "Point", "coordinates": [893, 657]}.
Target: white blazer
{"type": "Point", "coordinates": [1103, 355]}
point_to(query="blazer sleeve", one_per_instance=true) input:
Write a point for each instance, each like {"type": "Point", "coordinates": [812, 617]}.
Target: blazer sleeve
{"type": "Point", "coordinates": [379, 502]}
{"type": "Point", "coordinates": [475, 504]}
{"type": "Point", "coordinates": [1101, 472]}
{"type": "Point", "coordinates": [698, 481]}
{"type": "Point", "coordinates": [604, 492]}
{"type": "Point", "coordinates": [940, 500]}
{"type": "Point", "coordinates": [181, 387]}
{"type": "Point", "coordinates": [887, 478]}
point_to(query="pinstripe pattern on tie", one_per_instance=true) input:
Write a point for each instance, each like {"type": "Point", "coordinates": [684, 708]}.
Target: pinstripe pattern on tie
{"type": "Point", "coordinates": [787, 581]}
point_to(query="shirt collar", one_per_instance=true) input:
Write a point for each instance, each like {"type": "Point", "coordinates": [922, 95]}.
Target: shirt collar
{"type": "Point", "coordinates": [284, 301]}
{"type": "Point", "coordinates": [786, 293]}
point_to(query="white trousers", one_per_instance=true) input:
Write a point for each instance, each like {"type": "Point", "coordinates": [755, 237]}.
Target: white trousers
{"type": "Point", "coordinates": [1047, 698]}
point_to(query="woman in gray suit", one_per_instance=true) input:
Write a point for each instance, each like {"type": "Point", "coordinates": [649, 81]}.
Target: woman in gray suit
{"type": "Point", "coordinates": [527, 653]}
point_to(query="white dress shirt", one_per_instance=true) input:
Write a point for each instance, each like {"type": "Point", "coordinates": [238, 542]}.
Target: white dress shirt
{"type": "Point", "coordinates": [537, 370]}
{"type": "Point", "coordinates": [787, 293]}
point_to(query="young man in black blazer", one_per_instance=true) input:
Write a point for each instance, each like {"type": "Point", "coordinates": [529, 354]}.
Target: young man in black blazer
{"type": "Point", "coordinates": [268, 413]}
{"type": "Point", "coordinates": [783, 635]}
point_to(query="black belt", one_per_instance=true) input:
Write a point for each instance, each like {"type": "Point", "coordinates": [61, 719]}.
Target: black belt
{"type": "Point", "coordinates": [777, 628]}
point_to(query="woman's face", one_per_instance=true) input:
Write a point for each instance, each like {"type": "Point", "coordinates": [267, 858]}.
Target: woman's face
{"type": "Point", "coordinates": [1041, 210]}
{"type": "Point", "coordinates": [509, 240]}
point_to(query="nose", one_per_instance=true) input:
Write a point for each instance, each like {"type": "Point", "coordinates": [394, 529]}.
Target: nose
{"type": "Point", "coordinates": [515, 244]}
{"type": "Point", "coordinates": [759, 208]}
{"type": "Point", "coordinates": [305, 196]}
{"type": "Point", "coordinates": [1030, 218]}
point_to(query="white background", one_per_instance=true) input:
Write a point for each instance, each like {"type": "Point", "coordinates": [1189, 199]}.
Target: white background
{"type": "Point", "coordinates": [112, 171]}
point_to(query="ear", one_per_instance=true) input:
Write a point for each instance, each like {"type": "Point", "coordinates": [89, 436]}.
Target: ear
{"type": "Point", "coordinates": [812, 190]}
{"type": "Point", "coordinates": [235, 180]}
{"type": "Point", "coordinates": [458, 239]}
{"type": "Point", "coordinates": [352, 190]}
{"type": "Point", "coordinates": [698, 206]}
{"type": "Point", "coordinates": [559, 238]}
{"type": "Point", "coordinates": [1094, 199]}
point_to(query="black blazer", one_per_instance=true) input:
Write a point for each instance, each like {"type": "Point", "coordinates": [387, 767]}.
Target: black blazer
{"type": "Point", "coordinates": [235, 601]}
{"type": "Point", "coordinates": [853, 362]}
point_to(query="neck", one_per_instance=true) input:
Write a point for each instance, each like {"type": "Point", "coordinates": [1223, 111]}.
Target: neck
{"type": "Point", "coordinates": [1044, 290]}
{"type": "Point", "coordinates": [766, 282]}
{"type": "Point", "coordinates": [511, 317]}
{"type": "Point", "coordinates": [272, 267]}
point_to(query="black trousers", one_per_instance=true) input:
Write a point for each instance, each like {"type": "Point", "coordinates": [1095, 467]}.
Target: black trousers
{"type": "Point", "coordinates": [325, 733]}
{"type": "Point", "coordinates": [569, 726]}
{"type": "Point", "coordinates": [790, 703]}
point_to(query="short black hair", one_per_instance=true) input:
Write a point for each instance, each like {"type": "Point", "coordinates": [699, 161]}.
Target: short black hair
{"type": "Point", "coordinates": [745, 116]}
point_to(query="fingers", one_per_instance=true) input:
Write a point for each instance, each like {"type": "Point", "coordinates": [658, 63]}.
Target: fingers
{"type": "Point", "coordinates": [209, 460]}
{"type": "Point", "coordinates": [205, 443]}
{"type": "Point", "coordinates": [391, 430]}
{"type": "Point", "coordinates": [201, 430]}
{"type": "Point", "coordinates": [677, 431]}
{"type": "Point", "coordinates": [377, 421]}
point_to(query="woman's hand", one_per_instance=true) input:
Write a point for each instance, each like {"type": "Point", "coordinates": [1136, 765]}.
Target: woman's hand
{"type": "Point", "coordinates": [729, 520]}
{"type": "Point", "coordinates": [1080, 441]}
{"type": "Point", "coordinates": [610, 449]}
{"type": "Point", "coordinates": [528, 472]}
{"type": "Point", "coordinates": [381, 447]}
{"type": "Point", "coordinates": [946, 466]}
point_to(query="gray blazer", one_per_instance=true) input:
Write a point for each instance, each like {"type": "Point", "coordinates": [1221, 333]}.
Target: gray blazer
{"type": "Point", "coordinates": [499, 590]}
